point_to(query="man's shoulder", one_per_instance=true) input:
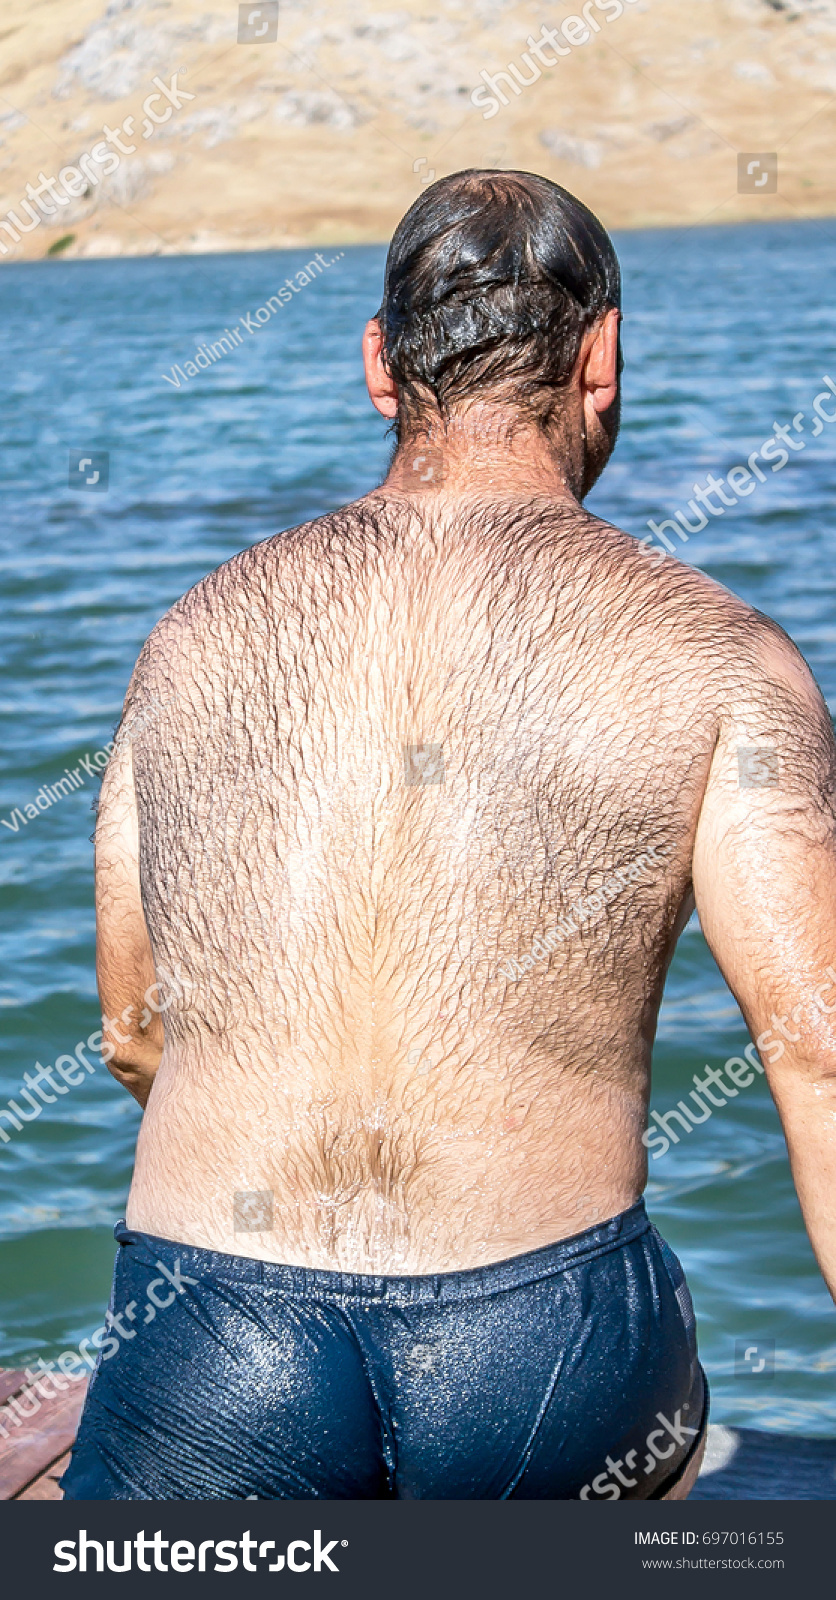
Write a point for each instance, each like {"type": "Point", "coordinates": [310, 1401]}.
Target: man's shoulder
{"type": "Point", "coordinates": [746, 653]}
{"type": "Point", "coordinates": [232, 588]}
{"type": "Point", "coordinates": [622, 565]}
{"type": "Point", "coordinates": [234, 605]}
{"type": "Point", "coordinates": [671, 611]}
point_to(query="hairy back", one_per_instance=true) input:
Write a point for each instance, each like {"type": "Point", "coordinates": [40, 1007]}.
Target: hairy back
{"type": "Point", "coordinates": [417, 791]}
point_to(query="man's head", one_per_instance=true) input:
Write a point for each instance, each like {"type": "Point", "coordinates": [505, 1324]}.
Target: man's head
{"type": "Point", "coordinates": [501, 291]}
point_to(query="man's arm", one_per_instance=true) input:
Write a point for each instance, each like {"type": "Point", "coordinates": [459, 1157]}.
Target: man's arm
{"type": "Point", "coordinates": [765, 885]}
{"type": "Point", "coordinates": [124, 961]}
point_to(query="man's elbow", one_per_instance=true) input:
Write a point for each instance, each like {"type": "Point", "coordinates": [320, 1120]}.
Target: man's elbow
{"type": "Point", "coordinates": [135, 1065]}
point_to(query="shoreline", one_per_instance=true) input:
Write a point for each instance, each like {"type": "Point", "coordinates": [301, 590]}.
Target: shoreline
{"type": "Point", "coordinates": [137, 133]}
{"type": "Point", "coordinates": [335, 242]}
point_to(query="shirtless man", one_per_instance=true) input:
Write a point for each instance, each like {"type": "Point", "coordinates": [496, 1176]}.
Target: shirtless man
{"type": "Point", "coordinates": [413, 803]}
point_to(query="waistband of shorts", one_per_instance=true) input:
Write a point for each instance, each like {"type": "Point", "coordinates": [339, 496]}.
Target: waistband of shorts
{"type": "Point", "coordinates": [315, 1283]}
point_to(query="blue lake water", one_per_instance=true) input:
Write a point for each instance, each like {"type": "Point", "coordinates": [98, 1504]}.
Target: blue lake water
{"type": "Point", "coordinates": [726, 332]}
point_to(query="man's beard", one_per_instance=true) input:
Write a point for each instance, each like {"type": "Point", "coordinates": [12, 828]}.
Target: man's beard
{"type": "Point", "coordinates": [599, 448]}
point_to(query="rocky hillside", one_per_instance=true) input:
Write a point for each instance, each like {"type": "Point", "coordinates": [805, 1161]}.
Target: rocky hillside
{"type": "Point", "coordinates": [149, 126]}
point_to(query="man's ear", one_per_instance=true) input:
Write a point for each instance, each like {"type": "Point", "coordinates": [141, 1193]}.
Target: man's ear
{"type": "Point", "coordinates": [383, 391]}
{"type": "Point", "coordinates": [599, 372]}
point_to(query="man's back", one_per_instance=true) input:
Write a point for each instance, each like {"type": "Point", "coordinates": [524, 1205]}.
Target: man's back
{"type": "Point", "coordinates": [413, 802]}
{"type": "Point", "coordinates": [417, 788]}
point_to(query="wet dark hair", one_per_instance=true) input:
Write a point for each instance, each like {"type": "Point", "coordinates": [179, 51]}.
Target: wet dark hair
{"type": "Point", "coordinates": [492, 279]}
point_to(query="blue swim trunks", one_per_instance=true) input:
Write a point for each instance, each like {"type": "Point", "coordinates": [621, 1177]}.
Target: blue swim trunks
{"type": "Point", "coordinates": [567, 1373]}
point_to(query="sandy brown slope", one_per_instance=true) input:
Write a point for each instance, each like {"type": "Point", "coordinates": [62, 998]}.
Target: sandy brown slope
{"type": "Point", "coordinates": [328, 132]}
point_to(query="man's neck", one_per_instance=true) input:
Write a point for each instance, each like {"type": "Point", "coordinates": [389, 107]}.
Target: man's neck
{"type": "Point", "coordinates": [481, 454]}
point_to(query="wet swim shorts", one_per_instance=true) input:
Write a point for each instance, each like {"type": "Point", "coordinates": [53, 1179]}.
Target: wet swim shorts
{"type": "Point", "coordinates": [568, 1373]}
